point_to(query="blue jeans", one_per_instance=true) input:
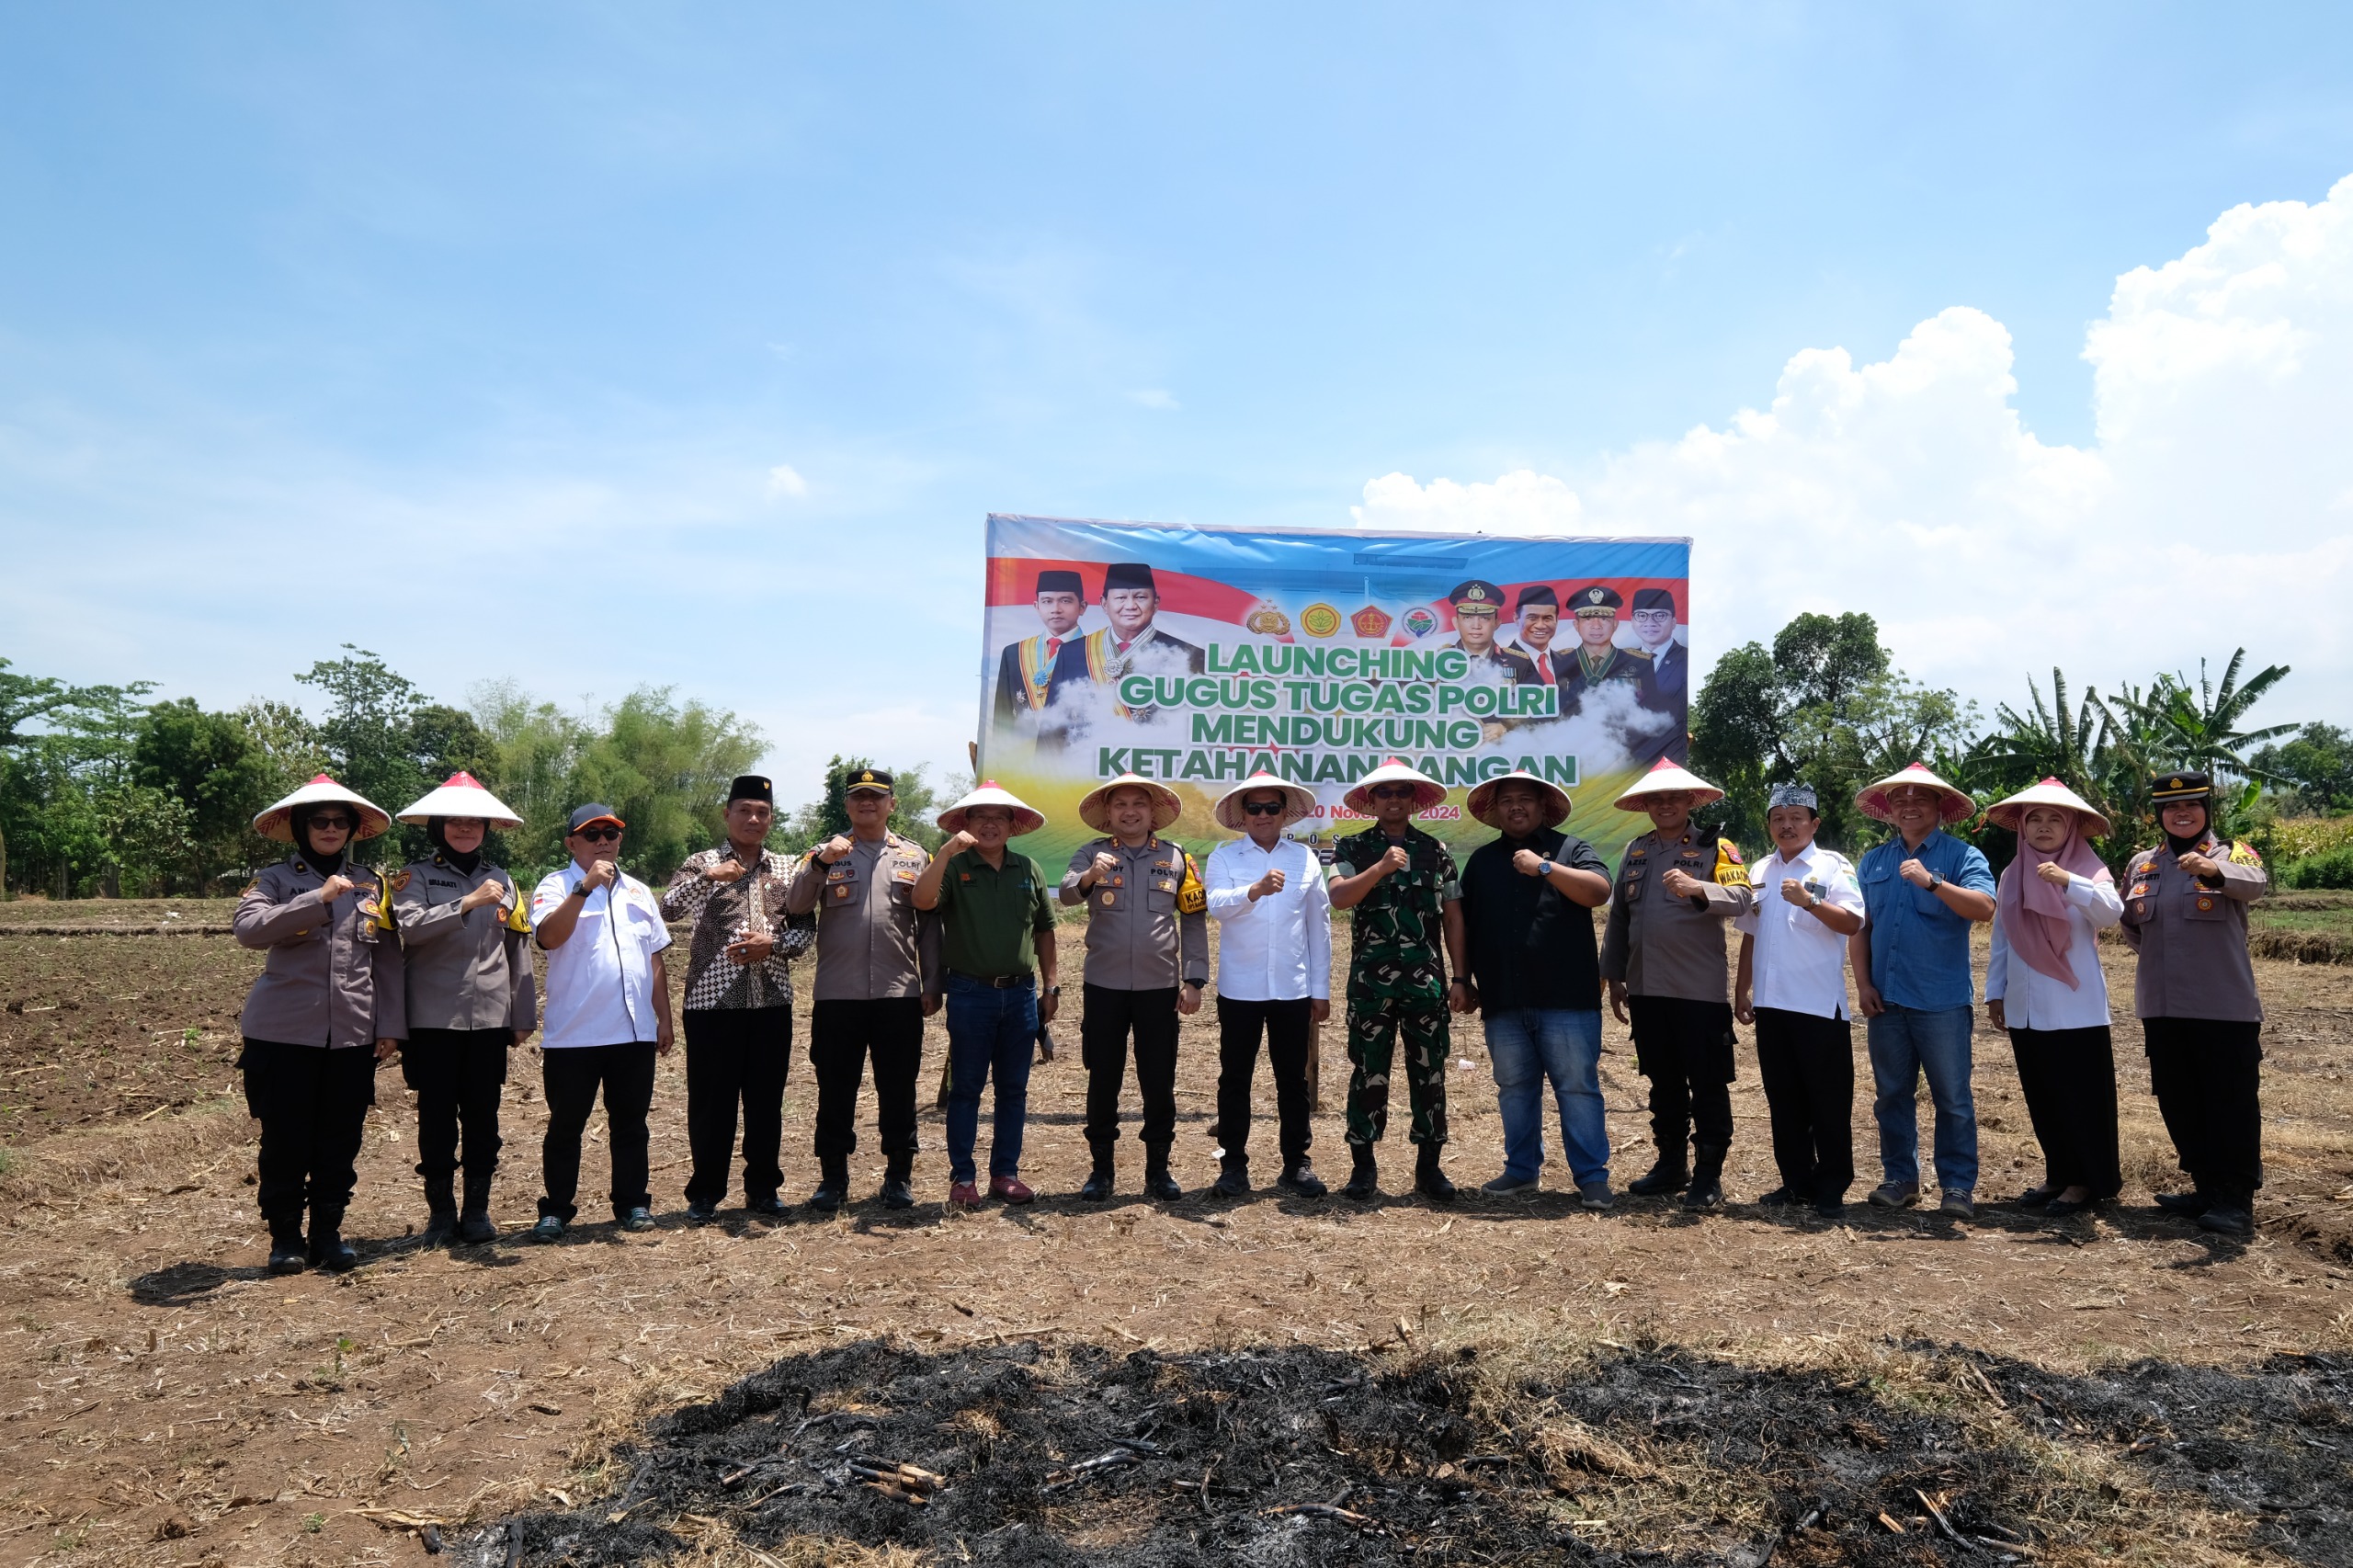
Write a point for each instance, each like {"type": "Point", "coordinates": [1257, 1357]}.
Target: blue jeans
{"type": "Point", "coordinates": [989, 1032]}
{"type": "Point", "coordinates": [1904, 1043]}
{"type": "Point", "coordinates": [1528, 1045]}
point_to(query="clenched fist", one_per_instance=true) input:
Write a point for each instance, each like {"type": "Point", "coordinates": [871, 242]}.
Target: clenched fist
{"type": "Point", "coordinates": [834, 848]}
{"type": "Point", "coordinates": [1272, 882]}
{"type": "Point", "coordinates": [1528, 863]}
{"type": "Point", "coordinates": [727, 870]}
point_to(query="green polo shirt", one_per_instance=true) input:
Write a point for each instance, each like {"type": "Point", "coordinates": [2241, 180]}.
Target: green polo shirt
{"type": "Point", "coordinates": [990, 916]}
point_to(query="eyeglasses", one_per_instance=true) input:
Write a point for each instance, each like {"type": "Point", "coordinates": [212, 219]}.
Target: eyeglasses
{"type": "Point", "coordinates": [600, 834]}
{"type": "Point", "coordinates": [1394, 792]}
{"type": "Point", "coordinates": [1263, 808]}
{"type": "Point", "coordinates": [342, 824]}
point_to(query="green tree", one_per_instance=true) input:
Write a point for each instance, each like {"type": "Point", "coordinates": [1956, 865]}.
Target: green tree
{"type": "Point", "coordinates": [2316, 766]}
{"type": "Point", "coordinates": [221, 778]}
{"type": "Point", "coordinates": [665, 769]}
{"type": "Point", "coordinates": [367, 731]}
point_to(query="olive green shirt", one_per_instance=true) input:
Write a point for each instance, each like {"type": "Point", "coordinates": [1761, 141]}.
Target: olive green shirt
{"type": "Point", "coordinates": [992, 918]}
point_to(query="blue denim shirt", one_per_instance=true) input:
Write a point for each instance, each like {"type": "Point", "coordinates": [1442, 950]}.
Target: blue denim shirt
{"type": "Point", "coordinates": [1919, 948]}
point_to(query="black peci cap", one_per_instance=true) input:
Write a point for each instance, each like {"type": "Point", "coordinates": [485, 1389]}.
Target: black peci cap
{"type": "Point", "coordinates": [1128, 575]}
{"type": "Point", "coordinates": [1540, 595]}
{"type": "Point", "coordinates": [1060, 581]}
{"type": "Point", "coordinates": [752, 787]}
{"type": "Point", "coordinates": [1654, 599]}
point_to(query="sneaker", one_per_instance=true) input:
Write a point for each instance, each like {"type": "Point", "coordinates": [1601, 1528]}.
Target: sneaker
{"type": "Point", "coordinates": [548, 1228]}
{"type": "Point", "coordinates": [963, 1194]}
{"type": "Point", "coordinates": [1012, 1189]}
{"type": "Point", "coordinates": [1957, 1205]}
{"type": "Point", "coordinates": [1596, 1195]}
{"type": "Point", "coordinates": [638, 1219]}
{"type": "Point", "coordinates": [702, 1213]}
{"type": "Point", "coordinates": [1510, 1185]}
{"type": "Point", "coordinates": [1895, 1195]}
{"type": "Point", "coordinates": [1300, 1181]}
{"type": "Point", "coordinates": [832, 1192]}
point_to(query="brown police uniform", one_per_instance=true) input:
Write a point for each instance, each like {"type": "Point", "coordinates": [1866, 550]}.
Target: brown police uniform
{"type": "Point", "coordinates": [469, 991]}
{"type": "Point", "coordinates": [2194, 990]}
{"type": "Point", "coordinates": [1669, 954]}
{"type": "Point", "coordinates": [1148, 932]}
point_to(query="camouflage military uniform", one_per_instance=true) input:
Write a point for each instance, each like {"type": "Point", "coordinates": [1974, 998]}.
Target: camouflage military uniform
{"type": "Point", "coordinates": [1397, 983]}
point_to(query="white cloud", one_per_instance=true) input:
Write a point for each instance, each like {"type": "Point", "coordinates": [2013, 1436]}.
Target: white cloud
{"type": "Point", "coordinates": [2208, 514]}
{"type": "Point", "coordinates": [1156, 397]}
{"type": "Point", "coordinates": [785, 482]}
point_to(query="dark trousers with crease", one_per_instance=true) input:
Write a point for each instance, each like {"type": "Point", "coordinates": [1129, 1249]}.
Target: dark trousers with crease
{"type": "Point", "coordinates": [2069, 1079]}
{"type": "Point", "coordinates": [737, 1057]}
{"type": "Point", "coordinates": [1110, 1016]}
{"type": "Point", "coordinates": [1684, 1048]}
{"type": "Point", "coordinates": [1807, 1067]}
{"type": "Point", "coordinates": [2207, 1075]}
{"type": "Point", "coordinates": [842, 1036]}
{"type": "Point", "coordinates": [572, 1076]}
{"type": "Point", "coordinates": [457, 1076]}
{"type": "Point", "coordinates": [1289, 1030]}
{"type": "Point", "coordinates": [313, 1106]}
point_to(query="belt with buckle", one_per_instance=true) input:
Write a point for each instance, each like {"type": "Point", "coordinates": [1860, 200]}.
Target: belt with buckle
{"type": "Point", "coordinates": [1000, 982]}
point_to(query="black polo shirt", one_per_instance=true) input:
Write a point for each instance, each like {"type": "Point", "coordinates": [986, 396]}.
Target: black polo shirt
{"type": "Point", "coordinates": [1531, 946]}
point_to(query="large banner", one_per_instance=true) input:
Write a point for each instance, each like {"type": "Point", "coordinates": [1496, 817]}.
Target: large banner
{"type": "Point", "coordinates": [1200, 656]}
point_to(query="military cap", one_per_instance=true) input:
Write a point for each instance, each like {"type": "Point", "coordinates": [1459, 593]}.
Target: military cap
{"type": "Point", "coordinates": [1128, 575]}
{"type": "Point", "coordinates": [874, 779]}
{"type": "Point", "coordinates": [1654, 599]}
{"type": "Point", "coordinates": [752, 787]}
{"type": "Point", "coordinates": [2189, 784]}
{"type": "Point", "coordinates": [1062, 582]}
{"type": "Point", "coordinates": [1478, 596]}
{"type": "Point", "coordinates": [1540, 595]}
{"type": "Point", "coordinates": [1597, 601]}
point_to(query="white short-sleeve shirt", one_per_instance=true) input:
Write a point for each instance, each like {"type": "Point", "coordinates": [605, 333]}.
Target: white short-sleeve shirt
{"type": "Point", "coordinates": [1799, 964]}
{"type": "Point", "coordinates": [600, 983]}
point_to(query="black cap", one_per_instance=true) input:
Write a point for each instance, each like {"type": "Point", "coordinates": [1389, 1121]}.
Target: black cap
{"type": "Point", "coordinates": [874, 779]}
{"type": "Point", "coordinates": [752, 787]}
{"type": "Point", "coordinates": [1128, 575]}
{"type": "Point", "coordinates": [593, 811]}
{"type": "Point", "coordinates": [1654, 599]}
{"type": "Point", "coordinates": [1596, 600]}
{"type": "Point", "coordinates": [2189, 784]}
{"type": "Point", "coordinates": [1061, 583]}
{"type": "Point", "coordinates": [1478, 595]}
{"type": "Point", "coordinates": [1542, 594]}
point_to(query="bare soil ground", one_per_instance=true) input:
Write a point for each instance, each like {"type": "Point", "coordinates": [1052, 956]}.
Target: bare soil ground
{"type": "Point", "coordinates": [1513, 1380]}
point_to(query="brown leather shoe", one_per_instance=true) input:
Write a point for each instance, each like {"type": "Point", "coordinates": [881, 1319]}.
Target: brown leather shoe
{"type": "Point", "coordinates": [1013, 1190]}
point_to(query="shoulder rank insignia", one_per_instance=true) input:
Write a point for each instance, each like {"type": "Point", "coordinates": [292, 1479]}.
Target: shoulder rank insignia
{"type": "Point", "coordinates": [1191, 897]}
{"type": "Point", "coordinates": [1730, 872]}
{"type": "Point", "coordinates": [2244, 855]}
{"type": "Point", "coordinates": [249, 887]}
{"type": "Point", "coordinates": [400, 880]}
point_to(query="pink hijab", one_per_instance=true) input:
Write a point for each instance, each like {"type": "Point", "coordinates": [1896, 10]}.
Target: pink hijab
{"type": "Point", "coordinates": [2033, 913]}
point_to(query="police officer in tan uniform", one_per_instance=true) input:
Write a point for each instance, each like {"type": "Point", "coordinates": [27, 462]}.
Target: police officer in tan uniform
{"type": "Point", "coordinates": [470, 995]}
{"type": "Point", "coordinates": [875, 959]}
{"type": "Point", "coordinates": [1663, 957]}
{"type": "Point", "coordinates": [1147, 961]}
{"type": "Point", "coordinates": [326, 1008]}
{"type": "Point", "coordinates": [2184, 916]}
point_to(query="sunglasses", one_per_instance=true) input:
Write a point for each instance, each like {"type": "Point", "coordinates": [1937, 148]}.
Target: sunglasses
{"type": "Point", "coordinates": [1394, 792]}
{"type": "Point", "coordinates": [342, 822]}
{"type": "Point", "coordinates": [599, 835]}
{"type": "Point", "coordinates": [1263, 808]}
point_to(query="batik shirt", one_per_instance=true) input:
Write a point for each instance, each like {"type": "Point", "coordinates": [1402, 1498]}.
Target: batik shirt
{"type": "Point", "coordinates": [1397, 949]}
{"type": "Point", "coordinates": [751, 905]}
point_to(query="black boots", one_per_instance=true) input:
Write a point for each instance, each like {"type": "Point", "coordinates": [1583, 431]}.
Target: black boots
{"type": "Point", "coordinates": [473, 1220]}
{"type": "Point", "coordinates": [1299, 1180]}
{"type": "Point", "coordinates": [288, 1253]}
{"type": "Point", "coordinates": [1233, 1179]}
{"type": "Point", "coordinates": [1668, 1174]}
{"type": "Point", "coordinates": [1364, 1180]}
{"type": "Point", "coordinates": [1099, 1180]}
{"type": "Point", "coordinates": [1706, 1177]}
{"type": "Point", "coordinates": [441, 1211]}
{"type": "Point", "coordinates": [328, 1250]}
{"type": "Point", "coordinates": [1429, 1180]}
{"type": "Point", "coordinates": [832, 1184]}
{"type": "Point", "coordinates": [898, 1182]}
{"type": "Point", "coordinates": [1157, 1182]}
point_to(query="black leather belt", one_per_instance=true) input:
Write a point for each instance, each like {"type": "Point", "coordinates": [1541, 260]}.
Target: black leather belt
{"type": "Point", "coordinates": [1001, 983]}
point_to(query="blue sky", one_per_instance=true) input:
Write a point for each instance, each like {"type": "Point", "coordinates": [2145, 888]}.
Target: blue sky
{"type": "Point", "coordinates": [597, 346]}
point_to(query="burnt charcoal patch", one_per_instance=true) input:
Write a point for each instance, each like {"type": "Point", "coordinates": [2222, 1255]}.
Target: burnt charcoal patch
{"type": "Point", "coordinates": [1017, 1454]}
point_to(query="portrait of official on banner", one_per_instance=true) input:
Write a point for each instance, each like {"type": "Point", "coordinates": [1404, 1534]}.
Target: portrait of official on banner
{"type": "Point", "coordinates": [1200, 656]}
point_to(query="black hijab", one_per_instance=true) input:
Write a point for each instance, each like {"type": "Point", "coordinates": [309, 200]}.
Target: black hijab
{"type": "Point", "coordinates": [438, 830]}
{"type": "Point", "coordinates": [300, 820]}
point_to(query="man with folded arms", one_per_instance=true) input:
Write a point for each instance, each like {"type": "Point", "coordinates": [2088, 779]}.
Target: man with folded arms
{"type": "Point", "coordinates": [1274, 973]}
{"type": "Point", "coordinates": [608, 1017]}
{"type": "Point", "coordinates": [996, 950]}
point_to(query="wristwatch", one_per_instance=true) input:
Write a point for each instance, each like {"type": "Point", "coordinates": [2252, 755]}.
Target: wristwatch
{"type": "Point", "coordinates": [579, 890]}
{"type": "Point", "coordinates": [1936, 881]}
{"type": "Point", "coordinates": [1053, 990]}
{"type": "Point", "coordinates": [1544, 868]}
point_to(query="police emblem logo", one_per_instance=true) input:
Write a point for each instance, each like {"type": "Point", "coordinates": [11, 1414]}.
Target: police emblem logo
{"type": "Point", "coordinates": [866, 777]}
{"type": "Point", "coordinates": [1319, 619]}
{"type": "Point", "coordinates": [1267, 621]}
{"type": "Point", "coordinates": [1474, 593]}
{"type": "Point", "coordinates": [400, 880]}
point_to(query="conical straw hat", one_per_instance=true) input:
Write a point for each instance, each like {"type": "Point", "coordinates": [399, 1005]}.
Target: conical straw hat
{"type": "Point", "coordinates": [1228, 809]}
{"type": "Point", "coordinates": [461, 796]}
{"type": "Point", "coordinates": [1427, 791]}
{"type": "Point", "coordinates": [1166, 806]}
{"type": "Point", "coordinates": [1665, 779]}
{"type": "Point", "coordinates": [2010, 812]}
{"type": "Point", "coordinates": [1482, 802]}
{"type": "Point", "coordinates": [1871, 799]}
{"type": "Point", "coordinates": [277, 821]}
{"type": "Point", "coordinates": [1026, 818]}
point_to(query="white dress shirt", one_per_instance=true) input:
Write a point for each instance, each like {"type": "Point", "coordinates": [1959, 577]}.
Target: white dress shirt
{"type": "Point", "coordinates": [1799, 965]}
{"type": "Point", "coordinates": [2033, 1000]}
{"type": "Point", "coordinates": [600, 982]}
{"type": "Point", "coordinates": [1279, 948]}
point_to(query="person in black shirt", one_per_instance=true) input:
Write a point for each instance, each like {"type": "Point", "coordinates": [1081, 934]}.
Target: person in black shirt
{"type": "Point", "coordinates": [1527, 903]}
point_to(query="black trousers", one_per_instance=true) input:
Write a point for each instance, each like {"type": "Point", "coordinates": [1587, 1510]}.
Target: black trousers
{"type": "Point", "coordinates": [2069, 1079]}
{"type": "Point", "coordinates": [1807, 1066]}
{"type": "Point", "coordinates": [1110, 1016]}
{"type": "Point", "coordinates": [842, 1036]}
{"type": "Point", "coordinates": [571, 1076]}
{"type": "Point", "coordinates": [457, 1075]}
{"type": "Point", "coordinates": [1289, 1030]}
{"type": "Point", "coordinates": [1684, 1048]}
{"type": "Point", "coordinates": [736, 1056]}
{"type": "Point", "coordinates": [2206, 1073]}
{"type": "Point", "coordinates": [313, 1106]}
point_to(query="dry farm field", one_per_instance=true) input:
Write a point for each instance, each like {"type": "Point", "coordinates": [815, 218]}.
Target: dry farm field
{"type": "Point", "coordinates": [1269, 1382]}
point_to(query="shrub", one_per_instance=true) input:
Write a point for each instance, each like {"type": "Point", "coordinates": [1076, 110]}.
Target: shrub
{"type": "Point", "coordinates": [2332, 870]}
